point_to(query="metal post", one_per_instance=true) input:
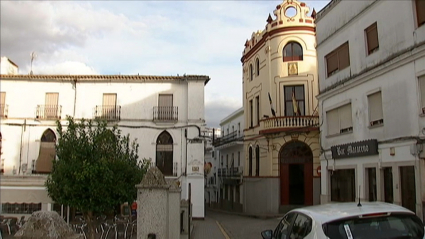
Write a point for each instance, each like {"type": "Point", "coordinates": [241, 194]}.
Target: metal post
{"type": "Point", "coordinates": [189, 211]}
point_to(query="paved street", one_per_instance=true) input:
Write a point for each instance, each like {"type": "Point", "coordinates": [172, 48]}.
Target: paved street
{"type": "Point", "coordinates": [233, 226]}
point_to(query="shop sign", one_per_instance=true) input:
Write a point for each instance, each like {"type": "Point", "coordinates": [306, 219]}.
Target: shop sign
{"type": "Point", "coordinates": [355, 149]}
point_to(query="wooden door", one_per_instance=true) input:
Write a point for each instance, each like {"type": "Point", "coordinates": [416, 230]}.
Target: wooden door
{"type": "Point", "coordinates": [51, 105]}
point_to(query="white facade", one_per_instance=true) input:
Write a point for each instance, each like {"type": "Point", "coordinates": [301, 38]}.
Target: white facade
{"type": "Point", "coordinates": [211, 166]}
{"type": "Point", "coordinates": [230, 165]}
{"type": "Point", "coordinates": [371, 58]}
{"type": "Point", "coordinates": [142, 106]}
{"type": "Point", "coordinates": [8, 67]}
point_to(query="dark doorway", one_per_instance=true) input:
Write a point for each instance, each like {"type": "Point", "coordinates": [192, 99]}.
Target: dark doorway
{"type": "Point", "coordinates": [296, 174]}
{"type": "Point", "coordinates": [408, 187]}
{"type": "Point", "coordinates": [296, 184]}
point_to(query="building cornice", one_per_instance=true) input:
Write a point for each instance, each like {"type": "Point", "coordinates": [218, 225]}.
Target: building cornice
{"type": "Point", "coordinates": [103, 78]}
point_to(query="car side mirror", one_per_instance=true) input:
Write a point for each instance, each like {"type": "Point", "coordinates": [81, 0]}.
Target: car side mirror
{"type": "Point", "coordinates": [267, 234]}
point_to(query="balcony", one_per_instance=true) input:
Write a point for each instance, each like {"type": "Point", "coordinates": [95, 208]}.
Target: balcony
{"type": "Point", "coordinates": [107, 112]}
{"type": "Point", "coordinates": [4, 110]}
{"type": "Point", "coordinates": [286, 123]}
{"type": "Point", "coordinates": [230, 172]}
{"type": "Point", "coordinates": [227, 139]}
{"type": "Point", "coordinates": [49, 112]}
{"type": "Point", "coordinates": [165, 113]}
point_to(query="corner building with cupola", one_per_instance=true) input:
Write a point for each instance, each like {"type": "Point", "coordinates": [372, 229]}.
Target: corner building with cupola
{"type": "Point", "coordinates": [281, 135]}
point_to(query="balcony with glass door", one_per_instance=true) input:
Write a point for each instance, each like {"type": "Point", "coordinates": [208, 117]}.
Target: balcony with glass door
{"type": "Point", "coordinates": [48, 112]}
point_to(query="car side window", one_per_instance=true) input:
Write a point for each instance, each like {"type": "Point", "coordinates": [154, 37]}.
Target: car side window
{"type": "Point", "coordinates": [283, 229]}
{"type": "Point", "coordinates": [301, 227]}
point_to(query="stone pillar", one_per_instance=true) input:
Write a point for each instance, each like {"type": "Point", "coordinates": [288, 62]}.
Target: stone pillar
{"type": "Point", "coordinates": [174, 195]}
{"type": "Point", "coordinates": [152, 206]}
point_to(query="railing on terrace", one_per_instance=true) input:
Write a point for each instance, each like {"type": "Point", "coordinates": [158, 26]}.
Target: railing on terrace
{"type": "Point", "coordinates": [107, 112]}
{"type": "Point", "coordinates": [165, 113]}
{"type": "Point", "coordinates": [4, 109]}
{"type": "Point", "coordinates": [230, 172]}
{"type": "Point", "coordinates": [290, 122]}
{"type": "Point", "coordinates": [48, 112]}
{"type": "Point", "coordinates": [227, 139]}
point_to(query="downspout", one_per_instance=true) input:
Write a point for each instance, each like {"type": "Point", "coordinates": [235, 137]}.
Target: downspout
{"type": "Point", "coordinates": [20, 148]}
{"type": "Point", "coordinates": [74, 85]}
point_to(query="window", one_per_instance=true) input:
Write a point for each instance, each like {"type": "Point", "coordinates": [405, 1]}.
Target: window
{"type": "Point", "coordinates": [257, 161]}
{"type": "Point", "coordinates": [294, 100]}
{"type": "Point", "coordinates": [339, 120]}
{"type": "Point", "coordinates": [375, 109]}
{"type": "Point", "coordinates": [239, 158]}
{"type": "Point", "coordinates": [343, 186]}
{"type": "Point", "coordinates": [420, 12]}
{"type": "Point", "coordinates": [292, 52]}
{"type": "Point", "coordinates": [372, 38]}
{"type": "Point", "coordinates": [338, 59]}
{"type": "Point", "coordinates": [47, 152]}
{"type": "Point", "coordinates": [109, 106]}
{"type": "Point", "coordinates": [239, 129]}
{"type": "Point", "coordinates": [251, 114]}
{"type": "Point", "coordinates": [164, 153]}
{"type": "Point", "coordinates": [20, 208]}
{"type": "Point", "coordinates": [250, 161]}
{"type": "Point", "coordinates": [3, 105]}
{"type": "Point", "coordinates": [233, 160]}
{"type": "Point", "coordinates": [165, 110]}
{"type": "Point", "coordinates": [227, 161]}
{"type": "Point", "coordinates": [251, 72]}
{"type": "Point", "coordinates": [257, 100]}
{"type": "Point", "coordinates": [257, 66]}
{"type": "Point", "coordinates": [301, 227]}
{"type": "Point", "coordinates": [50, 110]}
{"type": "Point", "coordinates": [422, 92]}
{"type": "Point", "coordinates": [284, 227]}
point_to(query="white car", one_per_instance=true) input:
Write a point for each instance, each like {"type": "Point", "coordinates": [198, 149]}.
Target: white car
{"type": "Point", "coordinates": [368, 220]}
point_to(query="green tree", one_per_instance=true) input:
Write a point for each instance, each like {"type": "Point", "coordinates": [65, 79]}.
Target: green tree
{"type": "Point", "coordinates": [96, 169]}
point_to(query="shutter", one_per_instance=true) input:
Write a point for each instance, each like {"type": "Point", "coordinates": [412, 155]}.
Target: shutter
{"type": "Point", "coordinates": [343, 56]}
{"type": "Point", "coordinates": [420, 12]}
{"type": "Point", "coordinates": [331, 63]}
{"type": "Point", "coordinates": [109, 106]}
{"type": "Point", "coordinates": [372, 38]}
{"type": "Point", "coordinates": [51, 105]}
{"type": "Point", "coordinates": [45, 158]}
{"type": "Point", "coordinates": [345, 117]}
{"type": "Point", "coordinates": [375, 107]}
{"type": "Point", "coordinates": [165, 100]}
{"type": "Point", "coordinates": [332, 122]}
{"type": "Point", "coordinates": [3, 98]}
{"type": "Point", "coordinates": [422, 89]}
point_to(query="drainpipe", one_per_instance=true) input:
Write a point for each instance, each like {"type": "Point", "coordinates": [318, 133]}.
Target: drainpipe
{"type": "Point", "coordinates": [20, 148]}
{"type": "Point", "coordinates": [74, 85]}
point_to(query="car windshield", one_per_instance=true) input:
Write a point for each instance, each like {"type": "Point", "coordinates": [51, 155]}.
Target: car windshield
{"type": "Point", "coordinates": [388, 226]}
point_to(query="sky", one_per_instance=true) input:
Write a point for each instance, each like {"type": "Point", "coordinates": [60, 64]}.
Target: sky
{"type": "Point", "coordinates": [139, 37]}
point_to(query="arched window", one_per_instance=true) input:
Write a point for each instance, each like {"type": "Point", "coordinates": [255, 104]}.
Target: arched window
{"type": "Point", "coordinates": [257, 66]}
{"type": "Point", "coordinates": [257, 160]}
{"type": "Point", "coordinates": [164, 153]}
{"type": "Point", "coordinates": [47, 153]}
{"type": "Point", "coordinates": [251, 72]}
{"type": "Point", "coordinates": [250, 162]}
{"type": "Point", "coordinates": [292, 52]}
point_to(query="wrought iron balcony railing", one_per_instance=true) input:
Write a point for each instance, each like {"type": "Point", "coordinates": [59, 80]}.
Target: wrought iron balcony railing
{"type": "Point", "coordinates": [107, 112]}
{"type": "Point", "coordinates": [230, 172]}
{"type": "Point", "coordinates": [227, 139]}
{"type": "Point", "coordinates": [165, 113]}
{"type": "Point", "coordinates": [4, 110]}
{"type": "Point", "coordinates": [289, 122]}
{"type": "Point", "coordinates": [48, 112]}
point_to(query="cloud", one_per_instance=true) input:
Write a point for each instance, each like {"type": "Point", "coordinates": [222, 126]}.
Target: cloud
{"type": "Point", "coordinates": [217, 109]}
{"type": "Point", "coordinates": [67, 68]}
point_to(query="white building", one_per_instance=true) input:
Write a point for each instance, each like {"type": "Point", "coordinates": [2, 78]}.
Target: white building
{"type": "Point", "coordinates": [231, 162]}
{"type": "Point", "coordinates": [371, 58]}
{"type": "Point", "coordinates": [8, 67]}
{"type": "Point", "coordinates": [164, 113]}
{"type": "Point", "coordinates": [211, 163]}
